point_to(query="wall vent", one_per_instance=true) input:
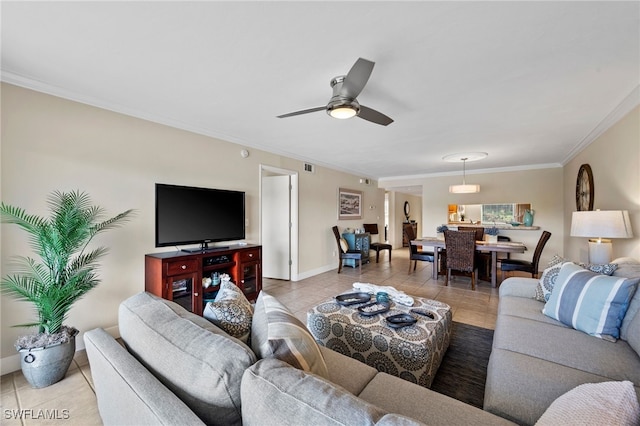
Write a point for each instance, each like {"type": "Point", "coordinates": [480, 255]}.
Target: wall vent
{"type": "Point", "coordinates": [365, 181]}
{"type": "Point", "coordinates": [309, 168]}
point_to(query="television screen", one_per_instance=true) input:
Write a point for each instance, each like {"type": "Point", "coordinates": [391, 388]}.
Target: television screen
{"type": "Point", "coordinates": [189, 215]}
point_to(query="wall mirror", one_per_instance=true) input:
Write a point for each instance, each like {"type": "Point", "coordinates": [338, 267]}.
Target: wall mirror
{"type": "Point", "coordinates": [407, 210]}
{"type": "Point", "coordinates": [487, 213]}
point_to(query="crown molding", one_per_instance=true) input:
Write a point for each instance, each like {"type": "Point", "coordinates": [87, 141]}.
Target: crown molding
{"type": "Point", "coordinates": [472, 172]}
{"type": "Point", "coordinates": [631, 101]}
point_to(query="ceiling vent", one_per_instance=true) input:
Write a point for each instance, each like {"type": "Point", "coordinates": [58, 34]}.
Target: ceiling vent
{"type": "Point", "coordinates": [309, 168]}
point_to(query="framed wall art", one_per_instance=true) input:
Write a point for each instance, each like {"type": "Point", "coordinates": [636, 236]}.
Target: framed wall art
{"type": "Point", "coordinates": [349, 204]}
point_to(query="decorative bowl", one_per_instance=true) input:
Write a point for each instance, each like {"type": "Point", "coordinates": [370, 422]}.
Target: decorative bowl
{"type": "Point", "coordinates": [516, 223]}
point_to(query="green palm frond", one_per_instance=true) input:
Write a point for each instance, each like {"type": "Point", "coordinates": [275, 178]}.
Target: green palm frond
{"type": "Point", "coordinates": [66, 272]}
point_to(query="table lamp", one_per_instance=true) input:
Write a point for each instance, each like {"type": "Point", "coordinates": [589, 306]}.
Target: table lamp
{"type": "Point", "coordinates": [600, 224]}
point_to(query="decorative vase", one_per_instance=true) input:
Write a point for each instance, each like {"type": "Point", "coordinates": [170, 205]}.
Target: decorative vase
{"type": "Point", "coordinates": [440, 235]}
{"type": "Point", "coordinates": [528, 217]}
{"type": "Point", "coordinates": [491, 238]}
{"type": "Point", "coordinates": [43, 367]}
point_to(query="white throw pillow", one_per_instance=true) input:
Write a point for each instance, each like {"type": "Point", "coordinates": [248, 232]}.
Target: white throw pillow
{"type": "Point", "coordinates": [594, 404]}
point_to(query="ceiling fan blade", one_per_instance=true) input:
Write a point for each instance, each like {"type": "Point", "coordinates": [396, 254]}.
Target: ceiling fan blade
{"type": "Point", "coordinates": [374, 116]}
{"type": "Point", "coordinates": [357, 78]}
{"type": "Point", "coordinates": [304, 111]}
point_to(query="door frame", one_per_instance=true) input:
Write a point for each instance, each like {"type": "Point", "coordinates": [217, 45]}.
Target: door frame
{"type": "Point", "coordinates": [293, 213]}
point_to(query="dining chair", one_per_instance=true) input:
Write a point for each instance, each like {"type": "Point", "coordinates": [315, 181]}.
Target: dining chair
{"type": "Point", "coordinates": [479, 230]}
{"type": "Point", "coordinates": [525, 265]}
{"type": "Point", "coordinates": [372, 228]}
{"type": "Point", "coordinates": [414, 253]}
{"type": "Point", "coordinates": [345, 253]}
{"type": "Point", "coordinates": [461, 254]}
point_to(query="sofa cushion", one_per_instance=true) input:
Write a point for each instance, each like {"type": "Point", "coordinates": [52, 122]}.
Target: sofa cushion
{"type": "Point", "coordinates": [595, 304]}
{"type": "Point", "coordinates": [518, 287]}
{"type": "Point", "coordinates": [197, 361]}
{"type": "Point", "coordinates": [629, 268]}
{"type": "Point", "coordinates": [231, 311]}
{"type": "Point", "coordinates": [558, 345]}
{"type": "Point", "coordinates": [521, 387]}
{"type": "Point", "coordinates": [522, 307]}
{"type": "Point", "coordinates": [347, 372]}
{"type": "Point", "coordinates": [607, 403]}
{"type": "Point", "coordinates": [275, 393]}
{"type": "Point", "coordinates": [124, 388]}
{"type": "Point", "coordinates": [634, 332]}
{"type": "Point", "coordinates": [399, 396]}
{"type": "Point", "coordinates": [277, 333]}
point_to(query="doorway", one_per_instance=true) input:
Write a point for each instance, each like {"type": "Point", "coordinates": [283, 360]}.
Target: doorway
{"type": "Point", "coordinates": [279, 222]}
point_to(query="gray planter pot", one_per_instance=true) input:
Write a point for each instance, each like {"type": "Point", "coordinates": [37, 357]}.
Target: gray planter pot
{"type": "Point", "coordinates": [43, 367]}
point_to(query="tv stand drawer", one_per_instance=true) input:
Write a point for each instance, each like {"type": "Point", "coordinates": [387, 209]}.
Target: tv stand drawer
{"type": "Point", "coordinates": [249, 255]}
{"type": "Point", "coordinates": [181, 267]}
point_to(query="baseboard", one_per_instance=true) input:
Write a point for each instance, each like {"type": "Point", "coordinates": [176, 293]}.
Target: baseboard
{"type": "Point", "coordinates": [314, 272]}
{"type": "Point", "coordinates": [11, 363]}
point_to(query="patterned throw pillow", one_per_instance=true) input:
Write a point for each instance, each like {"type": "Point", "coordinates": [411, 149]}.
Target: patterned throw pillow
{"type": "Point", "coordinates": [549, 275]}
{"type": "Point", "coordinates": [592, 303]}
{"type": "Point", "coordinates": [231, 311]}
{"type": "Point", "coordinates": [277, 333]}
{"type": "Point", "coordinates": [604, 269]}
{"type": "Point", "coordinates": [548, 278]}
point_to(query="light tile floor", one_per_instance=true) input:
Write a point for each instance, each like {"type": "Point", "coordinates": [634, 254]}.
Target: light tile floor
{"type": "Point", "coordinates": [72, 401]}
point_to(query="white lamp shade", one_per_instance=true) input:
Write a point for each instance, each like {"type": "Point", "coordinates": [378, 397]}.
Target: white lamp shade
{"type": "Point", "coordinates": [601, 224]}
{"type": "Point", "coordinates": [464, 189]}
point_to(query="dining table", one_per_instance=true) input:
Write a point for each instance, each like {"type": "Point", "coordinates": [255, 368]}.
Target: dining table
{"type": "Point", "coordinates": [482, 246]}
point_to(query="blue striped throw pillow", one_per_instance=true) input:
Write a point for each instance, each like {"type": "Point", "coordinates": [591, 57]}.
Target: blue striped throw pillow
{"type": "Point", "coordinates": [589, 302]}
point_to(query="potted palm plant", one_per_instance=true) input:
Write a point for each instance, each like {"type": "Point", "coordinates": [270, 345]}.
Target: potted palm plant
{"type": "Point", "coordinates": [66, 271]}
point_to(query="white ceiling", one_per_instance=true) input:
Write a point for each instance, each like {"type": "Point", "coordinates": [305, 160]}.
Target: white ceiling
{"type": "Point", "coordinates": [530, 83]}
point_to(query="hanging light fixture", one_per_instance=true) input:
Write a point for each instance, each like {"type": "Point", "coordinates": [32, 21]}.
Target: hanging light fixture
{"type": "Point", "coordinates": [465, 188]}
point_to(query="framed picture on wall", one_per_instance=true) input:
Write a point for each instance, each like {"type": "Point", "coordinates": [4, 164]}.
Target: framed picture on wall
{"type": "Point", "coordinates": [349, 204]}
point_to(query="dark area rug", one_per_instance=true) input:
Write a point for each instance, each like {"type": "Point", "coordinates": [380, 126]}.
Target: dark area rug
{"type": "Point", "coordinates": [463, 371]}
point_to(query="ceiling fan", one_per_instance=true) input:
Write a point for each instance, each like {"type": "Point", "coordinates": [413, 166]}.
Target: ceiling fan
{"type": "Point", "coordinates": [346, 88]}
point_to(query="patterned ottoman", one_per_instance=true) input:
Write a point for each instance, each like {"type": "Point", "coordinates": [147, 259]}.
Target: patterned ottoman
{"type": "Point", "coordinates": [412, 353]}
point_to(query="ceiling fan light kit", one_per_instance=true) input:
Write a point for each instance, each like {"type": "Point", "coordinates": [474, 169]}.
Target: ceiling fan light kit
{"type": "Point", "coordinates": [343, 111]}
{"type": "Point", "coordinates": [346, 88]}
{"type": "Point", "coordinates": [471, 156]}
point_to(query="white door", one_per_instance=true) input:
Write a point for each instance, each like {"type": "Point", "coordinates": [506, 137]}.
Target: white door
{"type": "Point", "coordinates": [276, 227]}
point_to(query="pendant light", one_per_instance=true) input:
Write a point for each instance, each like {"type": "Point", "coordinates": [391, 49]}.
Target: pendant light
{"type": "Point", "coordinates": [465, 188]}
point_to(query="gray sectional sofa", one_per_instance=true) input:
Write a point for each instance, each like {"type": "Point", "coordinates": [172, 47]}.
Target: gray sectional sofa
{"type": "Point", "coordinates": [178, 368]}
{"type": "Point", "coordinates": [535, 359]}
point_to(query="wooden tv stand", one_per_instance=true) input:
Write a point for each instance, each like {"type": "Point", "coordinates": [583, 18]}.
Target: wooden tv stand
{"type": "Point", "coordinates": [178, 275]}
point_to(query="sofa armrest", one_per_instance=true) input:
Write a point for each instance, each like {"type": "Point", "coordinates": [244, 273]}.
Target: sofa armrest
{"type": "Point", "coordinates": [519, 287]}
{"type": "Point", "coordinates": [127, 393]}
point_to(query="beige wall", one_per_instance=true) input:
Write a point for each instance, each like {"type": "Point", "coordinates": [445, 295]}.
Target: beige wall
{"type": "Point", "coordinates": [615, 161]}
{"type": "Point", "coordinates": [53, 144]}
{"type": "Point", "coordinates": [49, 143]}
{"type": "Point", "coordinates": [541, 188]}
{"type": "Point", "coordinates": [415, 213]}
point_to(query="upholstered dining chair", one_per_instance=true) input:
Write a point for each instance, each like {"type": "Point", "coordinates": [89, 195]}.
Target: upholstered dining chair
{"type": "Point", "coordinates": [372, 228]}
{"type": "Point", "coordinates": [525, 265]}
{"type": "Point", "coordinates": [414, 253]}
{"type": "Point", "coordinates": [345, 253]}
{"type": "Point", "coordinates": [461, 254]}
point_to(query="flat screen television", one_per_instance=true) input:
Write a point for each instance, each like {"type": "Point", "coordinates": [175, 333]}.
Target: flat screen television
{"type": "Point", "coordinates": [190, 215]}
